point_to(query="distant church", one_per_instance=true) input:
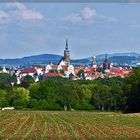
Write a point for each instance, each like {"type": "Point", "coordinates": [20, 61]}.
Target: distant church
{"type": "Point", "coordinates": [94, 63]}
{"type": "Point", "coordinates": [65, 61]}
{"type": "Point", "coordinates": [106, 65]}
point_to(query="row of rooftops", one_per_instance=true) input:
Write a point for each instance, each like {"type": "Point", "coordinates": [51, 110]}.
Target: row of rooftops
{"type": "Point", "coordinates": [89, 73]}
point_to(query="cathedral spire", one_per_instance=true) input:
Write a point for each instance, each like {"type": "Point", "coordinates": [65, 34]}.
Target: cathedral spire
{"type": "Point", "coordinates": [106, 56]}
{"type": "Point", "coordinates": [67, 54]}
{"type": "Point", "coordinates": [66, 44]}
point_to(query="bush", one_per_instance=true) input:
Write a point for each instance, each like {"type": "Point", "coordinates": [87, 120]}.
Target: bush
{"type": "Point", "coordinates": [83, 105]}
{"type": "Point", "coordinates": [34, 104]}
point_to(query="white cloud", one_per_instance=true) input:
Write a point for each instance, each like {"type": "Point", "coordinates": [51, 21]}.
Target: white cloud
{"type": "Point", "coordinates": [85, 14]}
{"type": "Point", "coordinates": [24, 12]}
{"type": "Point", "coordinates": [18, 11]}
{"type": "Point", "coordinates": [16, 5]}
{"type": "Point", "coordinates": [108, 19]}
{"type": "Point", "coordinates": [73, 18]}
{"type": "Point", "coordinates": [88, 13]}
{"type": "Point", "coordinates": [31, 15]}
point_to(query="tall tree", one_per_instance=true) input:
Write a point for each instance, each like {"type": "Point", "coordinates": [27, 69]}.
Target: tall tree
{"type": "Point", "coordinates": [20, 97]}
{"type": "Point", "coordinates": [132, 91]}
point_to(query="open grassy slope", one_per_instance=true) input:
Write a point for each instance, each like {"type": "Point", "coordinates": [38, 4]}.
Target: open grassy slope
{"type": "Point", "coordinates": [56, 125]}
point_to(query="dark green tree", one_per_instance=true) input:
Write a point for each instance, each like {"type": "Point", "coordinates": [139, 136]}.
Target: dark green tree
{"type": "Point", "coordinates": [26, 81]}
{"type": "Point", "coordinates": [132, 92]}
{"type": "Point", "coordinates": [3, 100]}
{"type": "Point", "coordinates": [5, 78]}
{"type": "Point", "coordinates": [34, 104]}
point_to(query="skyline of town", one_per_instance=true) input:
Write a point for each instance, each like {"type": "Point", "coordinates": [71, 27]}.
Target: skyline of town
{"type": "Point", "coordinates": [65, 69]}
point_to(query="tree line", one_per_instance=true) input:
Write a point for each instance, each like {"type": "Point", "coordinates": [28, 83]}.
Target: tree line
{"type": "Point", "coordinates": [110, 94]}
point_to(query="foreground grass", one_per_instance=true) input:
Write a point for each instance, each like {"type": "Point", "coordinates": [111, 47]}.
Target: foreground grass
{"type": "Point", "coordinates": [57, 125]}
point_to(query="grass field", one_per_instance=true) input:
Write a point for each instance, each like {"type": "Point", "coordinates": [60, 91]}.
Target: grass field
{"type": "Point", "coordinates": [56, 125]}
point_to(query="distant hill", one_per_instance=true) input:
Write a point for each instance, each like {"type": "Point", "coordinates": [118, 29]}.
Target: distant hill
{"type": "Point", "coordinates": [123, 59]}
{"type": "Point", "coordinates": [47, 58]}
{"type": "Point", "coordinates": [119, 54]}
{"type": "Point", "coordinates": [32, 60]}
{"type": "Point", "coordinates": [119, 58]}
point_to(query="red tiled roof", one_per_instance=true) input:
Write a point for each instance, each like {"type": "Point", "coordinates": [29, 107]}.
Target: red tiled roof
{"type": "Point", "coordinates": [89, 69]}
{"type": "Point", "coordinates": [28, 70]}
{"type": "Point", "coordinates": [120, 71]}
{"type": "Point", "coordinates": [55, 74]}
{"type": "Point", "coordinates": [39, 67]}
{"type": "Point", "coordinates": [77, 69]}
{"type": "Point", "coordinates": [65, 68]}
{"type": "Point", "coordinates": [126, 72]}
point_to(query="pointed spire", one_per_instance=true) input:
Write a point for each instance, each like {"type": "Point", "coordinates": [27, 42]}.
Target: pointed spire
{"type": "Point", "coordinates": [94, 61]}
{"type": "Point", "coordinates": [66, 44]}
{"type": "Point", "coordinates": [94, 57]}
{"type": "Point", "coordinates": [106, 56]}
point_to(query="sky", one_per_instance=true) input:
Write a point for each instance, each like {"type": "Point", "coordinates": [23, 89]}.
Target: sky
{"type": "Point", "coordinates": [91, 28]}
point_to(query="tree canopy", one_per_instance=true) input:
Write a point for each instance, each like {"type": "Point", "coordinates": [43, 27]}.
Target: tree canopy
{"type": "Point", "coordinates": [116, 94]}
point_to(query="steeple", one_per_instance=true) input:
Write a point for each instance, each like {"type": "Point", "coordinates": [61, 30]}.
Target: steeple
{"type": "Point", "coordinates": [106, 56]}
{"type": "Point", "coordinates": [106, 64]}
{"type": "Point", "coordinates": [94, 64]}
{"type": "Point", "coordinates": [66, 48]}
{"type": "Point", "coordinates": [67, 55]}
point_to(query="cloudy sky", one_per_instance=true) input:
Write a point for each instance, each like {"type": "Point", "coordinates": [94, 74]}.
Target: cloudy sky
{"type": "Point", "coordinates": [91, 28]}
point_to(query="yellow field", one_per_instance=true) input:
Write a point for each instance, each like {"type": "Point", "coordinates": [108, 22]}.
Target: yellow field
{"type": "Point", "coordinates": [57, 125]}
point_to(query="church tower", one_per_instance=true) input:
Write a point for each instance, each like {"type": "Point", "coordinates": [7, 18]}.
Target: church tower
{"type": "Point", "coordinates": [67, 55]}
{"type": "Point", "coordinates": [106, 64]}
{"type": "Point", "coordinates": [94, 64]}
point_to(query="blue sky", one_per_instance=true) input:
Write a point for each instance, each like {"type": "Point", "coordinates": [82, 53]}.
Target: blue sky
{"type": "Point", "coordinates": [91, 28]}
